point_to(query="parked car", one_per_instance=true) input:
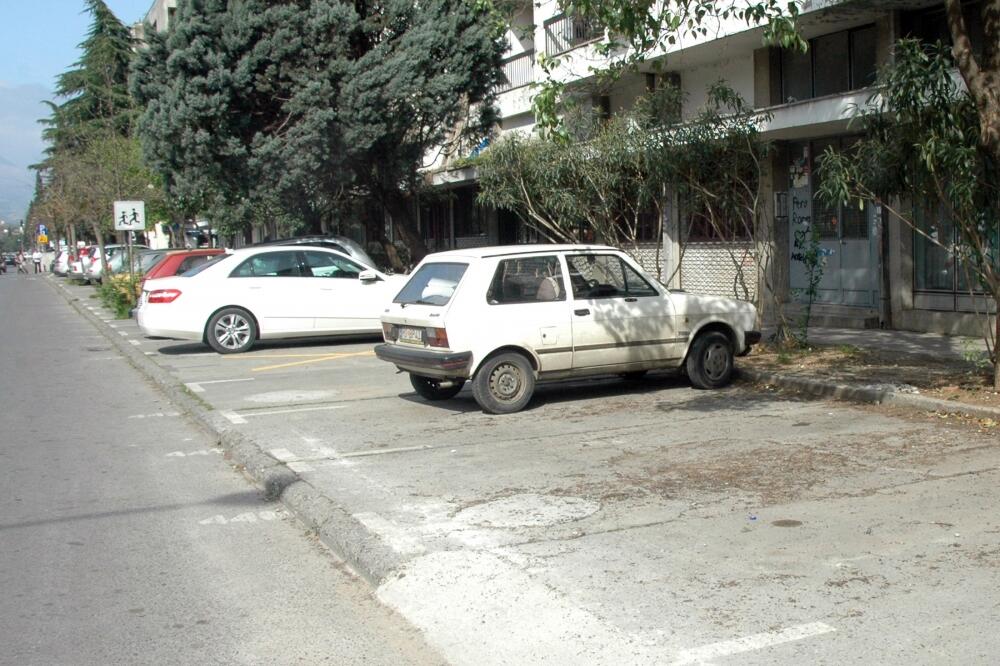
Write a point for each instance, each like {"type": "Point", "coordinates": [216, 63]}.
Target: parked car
{"type": "Point", "coordinates": [61, 264]}
{"type": "Point", "coordinates": [267, 292]}
{"type": "Point", "coordinates": [176, 262]}
{"type": "Point", "coordinates": [339, 243]}
{"type": "Point", "coordinates": [78, 267]}
{"type": "Point", "coordinates": [116, 256]}
{"type": "Point", "coordinates": [508, 317]}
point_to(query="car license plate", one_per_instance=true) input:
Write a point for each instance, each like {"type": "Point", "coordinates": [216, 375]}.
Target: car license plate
{"type": "Point", "coordinates": [411, 336]}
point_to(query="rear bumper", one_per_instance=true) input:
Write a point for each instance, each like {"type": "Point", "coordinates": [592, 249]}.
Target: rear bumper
{"type": "Point", "coordinates": [426, 362]}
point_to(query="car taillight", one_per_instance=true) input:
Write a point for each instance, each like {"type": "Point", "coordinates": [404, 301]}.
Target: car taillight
{"type": "Point", "coordinates": [436, 337]}
{"type": "Point", "coordinates": [163, 296]}
{"type": "Point", "coordinates": [390, 332]}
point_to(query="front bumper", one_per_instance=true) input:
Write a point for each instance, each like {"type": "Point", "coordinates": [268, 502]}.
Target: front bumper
{"type": "Point", "coordinates": [750, 338]}
{"type": "Point", "coordinates": [426, 362]}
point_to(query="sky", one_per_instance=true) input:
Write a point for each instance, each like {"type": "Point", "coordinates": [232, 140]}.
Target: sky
{"type": "Point", "coordinates": [38, 41]}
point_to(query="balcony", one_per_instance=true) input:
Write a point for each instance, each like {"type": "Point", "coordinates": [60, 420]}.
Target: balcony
{"type": "Point", "coordinates": [518, 70]}
{"type": "Point", "coordinates": [563, 33]}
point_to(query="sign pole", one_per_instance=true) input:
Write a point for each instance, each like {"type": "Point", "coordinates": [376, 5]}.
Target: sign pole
{"type": "Point", "coordinates": [129, 216]}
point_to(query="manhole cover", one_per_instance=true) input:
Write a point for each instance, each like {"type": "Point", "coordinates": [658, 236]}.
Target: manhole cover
{"type": "Point", "coordinates": [787, 523]}
{"type": "Point", "coordinates": [528, 510]}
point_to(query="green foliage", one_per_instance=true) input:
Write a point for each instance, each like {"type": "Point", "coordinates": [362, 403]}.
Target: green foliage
{"type": "Point", "coordinates": [922, 145]}
{"type": "Point", "coordinates": [603, 177]}
{"type": "Point", "coordinates": [809, 252]}
{"type": "Point", "coordinates": [95, 91]}
{"type": "Point", "coordinates": [120, 294]}
{"type": "Point", "coordinates": [637, 32]}
{"type": "Point", "coordinates": [292, 107]}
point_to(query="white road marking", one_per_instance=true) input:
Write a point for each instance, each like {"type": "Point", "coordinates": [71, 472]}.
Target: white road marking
{"type": "Point", "coordinates": [294, 410]}
{"type": "Point", "coordinates": [150, 353]}
{"type": "Point", "coordinates": [284, 455]}
{"type": "Point", "coordinates": [401, 449]}
{"type": "Point", "coordinates": [135, 343]}
{"type": "Point", "coordinates": [198, 387]}
{"type": "Point", "coordinates": [394, 535]}
{"type": "Point", "coordinates": [248, 517]}
{"type": "Point", "coordinates": [701, 655]}
{"type": "Point", "coordinates": [123, 334]}
{"type": "Point", "coordinates": [157, 415]}
{"type": "Point", "coordinates": [199, 452]}
{"type": "Point", "coordinates": [234, 417]}
{"type": "Point", "coordinates": [113, 325]}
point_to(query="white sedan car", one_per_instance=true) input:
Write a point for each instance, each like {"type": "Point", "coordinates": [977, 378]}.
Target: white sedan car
{"type": "Point", "coordinates": [267, 293]}
{"type": "Point", "coordinates": [507, 317]}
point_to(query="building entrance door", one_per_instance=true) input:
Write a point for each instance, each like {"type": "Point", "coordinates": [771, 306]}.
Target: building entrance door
{"type": "Point", "coordinates": [848, 240]}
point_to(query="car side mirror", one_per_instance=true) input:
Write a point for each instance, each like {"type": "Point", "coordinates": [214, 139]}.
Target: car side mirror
{"type": "Point", "coordinates": [368, 276]}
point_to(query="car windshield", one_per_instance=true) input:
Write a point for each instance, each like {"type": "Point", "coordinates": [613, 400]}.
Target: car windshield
{"type": "Point", "coordinates": [432, 284]}
{"type": "Point", "coordinates": [208, 264]}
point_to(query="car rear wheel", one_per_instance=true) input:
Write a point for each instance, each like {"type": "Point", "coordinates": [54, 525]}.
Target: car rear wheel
{"type": "Point", "coordinates": [504, 384]}
{"type": "Point", "coordinates": [430, 388]}
{"type": "Point", "coordinates": [231, 331]}
{"type": "Point", "coordinates": [710, 361]}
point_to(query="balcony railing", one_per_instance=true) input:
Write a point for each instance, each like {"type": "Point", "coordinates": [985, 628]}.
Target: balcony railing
{"type": "Point", "coordinates": [563, 33]}
{"type": "Point", "coordinates": [518, 70]}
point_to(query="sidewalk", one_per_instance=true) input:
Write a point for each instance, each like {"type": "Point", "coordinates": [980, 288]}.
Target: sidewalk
{"type": "Point", "coordinates": [917, 370]}
{"type": "Point", "coordinates": [611, 522]}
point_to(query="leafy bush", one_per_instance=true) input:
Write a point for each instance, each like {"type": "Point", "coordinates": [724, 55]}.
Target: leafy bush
{"type": "Point", "coordinates": [120, 294]}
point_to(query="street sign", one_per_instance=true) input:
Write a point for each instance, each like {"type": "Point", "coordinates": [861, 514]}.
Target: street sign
{"type": "Point", "coordinates": [43, 231]}
{"type": "Point", "coordinates": [130, 216]}
{"type": "Point", "coordinates": [43, 239]}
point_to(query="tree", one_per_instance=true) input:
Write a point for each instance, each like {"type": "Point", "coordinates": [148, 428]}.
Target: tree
{"type": "Point", "coordinates": [635, 32]}
{"type": "Point", "coordinates": [616, 176]}
{"type": "Point", "coordinates": [301, 104]}
{"type": "Point", "coordinates": [928, 157]}
{"type": "Point", "coordinates": [95, 90]}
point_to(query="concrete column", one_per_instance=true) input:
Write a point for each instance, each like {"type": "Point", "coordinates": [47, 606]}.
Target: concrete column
{"type": "Point", "coordinates": [670, 260]}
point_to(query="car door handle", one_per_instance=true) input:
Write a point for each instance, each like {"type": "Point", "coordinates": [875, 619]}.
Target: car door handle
{"type": "Point", "coordinates": [256, 287]}
{"type": "Point", "coordinates": [631, 299]}
{"type": "Point", "coordinates": [583, 312]}
{"type": "Point", "coordinates": [326, 288]}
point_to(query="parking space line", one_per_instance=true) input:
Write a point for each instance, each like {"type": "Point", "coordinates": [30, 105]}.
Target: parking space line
{"type": "Point", "coordinates": [135, 343]}
{"type": "Point", "coordinates": [317, 359]}
{"type": "Point", "coordinates": [700, 655]}
{"type": "Point", "coordinates": [198, 387]}
{"type": "Point", "coordinates": [238, 419]}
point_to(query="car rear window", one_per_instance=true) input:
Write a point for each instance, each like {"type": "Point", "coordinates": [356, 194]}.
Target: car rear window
{"type": "Point", "coordinates": [211, 262]}
{"type": "Point", "coordinates": [432, 284]}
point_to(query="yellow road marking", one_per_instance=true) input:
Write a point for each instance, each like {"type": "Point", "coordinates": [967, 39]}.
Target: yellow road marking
{"type": "Point", "coordinates": [315, 359]}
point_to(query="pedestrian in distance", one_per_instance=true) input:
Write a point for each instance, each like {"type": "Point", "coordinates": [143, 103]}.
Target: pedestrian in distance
{"type": "Point", "coordinates": [36, 259]}
{"type": "Point", "coordinates": [20, 262]}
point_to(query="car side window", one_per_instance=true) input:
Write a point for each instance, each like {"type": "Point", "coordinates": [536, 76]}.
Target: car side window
{"type": "Point", "coordinates": [527, 280]}
{"type": "Point", "coordinates": [605, 276]}
{"type": "Point", "coordinates": [326, 265]}
{"type": "Point", "coordinates": [190, 262]}
{"type": "Point", "coordinates": [269, 264]}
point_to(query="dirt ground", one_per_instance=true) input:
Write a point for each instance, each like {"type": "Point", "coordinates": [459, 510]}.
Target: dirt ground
{"type": "Point", "coordinates": [922, 375]}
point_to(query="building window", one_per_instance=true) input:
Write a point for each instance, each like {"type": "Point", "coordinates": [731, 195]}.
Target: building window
{"type": "Point", "coordinates": [930, 25]}
{"type": "Point", "coordinates": [937, 268]}
{"type": "Point", "coordinates": [470, 217]}
{"type": "Point", "coordinates": [835, 63]}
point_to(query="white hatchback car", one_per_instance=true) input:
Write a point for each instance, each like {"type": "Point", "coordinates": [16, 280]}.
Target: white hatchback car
{"type": "Point", "coordinates": [507, 317]}
{"type": "Point", "coordinates": [267, 293]}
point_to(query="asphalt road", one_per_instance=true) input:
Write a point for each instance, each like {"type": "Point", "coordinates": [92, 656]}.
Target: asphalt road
{"type": "Point", "coordinates": [125, 537]}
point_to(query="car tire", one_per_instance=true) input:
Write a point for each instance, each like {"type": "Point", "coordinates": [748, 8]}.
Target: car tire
{"type": "Point", "coordinates": [710, 361]}
{"type": "Point", "coordinates": [231, 331]}
{"type": "Point", "coordinates": [504, 384]}
{"type": "Point", "coordinates": [431, 388]}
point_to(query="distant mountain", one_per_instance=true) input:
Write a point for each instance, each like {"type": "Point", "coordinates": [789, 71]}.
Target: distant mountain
{"type": "Point", "coordinates": [20, 145]}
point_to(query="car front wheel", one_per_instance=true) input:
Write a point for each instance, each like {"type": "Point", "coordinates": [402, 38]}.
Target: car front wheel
{"type": "Point", "coordinates": [504, 384]}
{"type": "Point", "coordinates": [231, 331]}
{"type": "Point", "coordinates": [430, 388]}
{"type": "Point", "coordinates": [710, 361]}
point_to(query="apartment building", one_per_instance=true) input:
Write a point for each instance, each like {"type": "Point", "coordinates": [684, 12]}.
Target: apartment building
{"type": "Point", "coordinates": [879, 272]}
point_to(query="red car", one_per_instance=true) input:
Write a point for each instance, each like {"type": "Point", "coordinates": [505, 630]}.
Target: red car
{"type": "Point", "coordinates": [179, 261]}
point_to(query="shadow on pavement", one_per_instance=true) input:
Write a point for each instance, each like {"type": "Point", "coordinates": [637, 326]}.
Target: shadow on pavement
{"type": "Point", "coordinates": [297, 343]}
{"type": "Point", "coordinates": [242, 499]}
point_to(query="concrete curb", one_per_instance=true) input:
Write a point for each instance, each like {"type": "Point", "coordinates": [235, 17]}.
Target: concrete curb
{"type": "Point", "coordinates": [864, 394]}
{"type": "Point", "coordinates": [341, 532]}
